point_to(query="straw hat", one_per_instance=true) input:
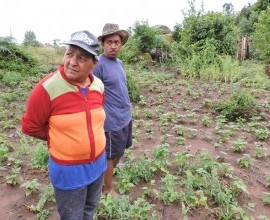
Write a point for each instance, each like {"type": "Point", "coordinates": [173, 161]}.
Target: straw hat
{"type": "Point", "coordinates": [110, 29]}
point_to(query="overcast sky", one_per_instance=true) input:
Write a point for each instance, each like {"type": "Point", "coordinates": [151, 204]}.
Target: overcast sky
{"type": "Point", "coordinates": [57, 19]}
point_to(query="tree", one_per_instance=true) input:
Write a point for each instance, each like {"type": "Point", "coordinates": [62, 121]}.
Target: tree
{"type": "Point", "coordinates": [261, 36]}
{"type": "Point", "coordinates": [249, 15]}
{"type": "Point", "coordinates": [145, 35]}
{"type": "Point", "coordinates": [245, 21]}
{"type": "Point", "coordinates": [30, 39]}
{"type": "Point", "coordinates": [214, 26]}
{"type": "Point", "coordinates": [56, 42]}
{"type": "Point", "coordinates": [142, 40]}
{"type": "Point", "coordinates": [261, 5]}
{"type": "Point", "coordinates": [228, 9]}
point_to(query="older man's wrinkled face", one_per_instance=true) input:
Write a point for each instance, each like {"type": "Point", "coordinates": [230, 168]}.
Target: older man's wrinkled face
{"type": "Point", "coordinates": [78, 63]}
{"type": "Point", "coordinates": [112, 45]}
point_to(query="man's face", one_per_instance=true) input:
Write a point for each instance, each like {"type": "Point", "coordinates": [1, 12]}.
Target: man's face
{"type": "Point", "coordinates": [77, 64]}
{"type": "Point", "coordinates": [112, 45]}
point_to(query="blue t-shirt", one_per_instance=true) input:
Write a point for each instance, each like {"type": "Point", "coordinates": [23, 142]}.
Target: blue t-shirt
{"type": "Point", "coordinates": [68, 177]}
{"type": "Point", "coordinates": [117, 102]}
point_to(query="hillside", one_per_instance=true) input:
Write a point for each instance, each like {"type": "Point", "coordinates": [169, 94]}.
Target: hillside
{"type": "Point", "coordinates": [189, 160]}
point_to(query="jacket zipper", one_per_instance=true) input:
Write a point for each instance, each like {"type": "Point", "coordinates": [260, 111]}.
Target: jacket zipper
{"type": "Point", "coordinates": [89, 126]}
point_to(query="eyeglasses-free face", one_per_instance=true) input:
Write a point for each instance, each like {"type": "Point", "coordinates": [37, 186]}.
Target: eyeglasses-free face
{"type": "Point", "coordinates": [77, 65]}
{"type": "Point", "coordinates": [112, 45]}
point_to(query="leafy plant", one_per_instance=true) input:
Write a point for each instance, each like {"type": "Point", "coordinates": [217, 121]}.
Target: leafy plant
{"type": "Point", "coordinates": [133, 173]}
{"type": "Point", "coordinates": [261, 35]}
{"type": "Point", "coordinates": [169, 193]}
{"type": "Point", "coordinates": [31, 187]}
{"type": "Point", "coordinates": [40, 157]}
{"type": "Point", "coordinates": [260, 152]}
{"type": "Point", "coordinates": [47, 195]}
{"type": "Point", "coordinates": [206, 120]}
{"type": "Point", "coordinates": [239, 145]}
{"type": "Point", "coordinates": [14, 177]}
{"type": "Point", "coordinates": [266, 198]}
{"type": "Point", "coordinates": [133, 89]}
{"type": "Point", "coordinates": [244, 161]}
{"type": "Point", "coordinates": [262, 133]}
{"type": "Point", "coordinates": [267, 179]}
{"type": "Point", "coordinates": [239, 105]}
{"type": "Point", "coordinates": [160, 160]}
{"type": "Point", "coordinates": [3, 152]}
{"type": "Point", "coordinates": [13, 58]}
{"type": "Point", "coordinates": [121, 208]}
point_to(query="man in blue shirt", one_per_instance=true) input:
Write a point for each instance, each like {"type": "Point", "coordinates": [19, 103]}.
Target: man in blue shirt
{"type": "Point", "coordinates": [118, 123]}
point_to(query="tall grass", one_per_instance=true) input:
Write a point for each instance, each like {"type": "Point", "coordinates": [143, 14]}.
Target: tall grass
{"type": "Point", "coordinates": [248, 73]}
{"type": "Point", "coordinates": [46, 55]}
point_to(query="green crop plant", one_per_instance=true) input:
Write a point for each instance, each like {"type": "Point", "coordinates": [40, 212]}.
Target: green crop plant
{"type": "Point", "coordinates": [14, 161]}
{"type": "Point", "coordinates": [239, 145]}
{"type": "Point", "coordinates": [180, 140]}
{"type": "Point", "coordinates": [196, 95]}
{"type": "Point", "coordinates": [133, 173]}
{"type": "Point", "coordinates": [208, 103]}
{"type": "Point", "coordinates": [47, 195]}
{"type": "Point", "coordinates": [142, 101]}
{"type": "Point", "coordinates": [244, 161]}
{"type": "Point", "coordinates": [266, 198]}
{"type": "Point", "coordinates": [40, 157]}
{"type": "Point", "coordinates": [179, 130]}
{"type": "Point", "coordinates": [136, 112]}
{"type": "Point", "coordinates": [4, 151]}
{"type": "Point", "coordinates": [260, 152]}
{"type": "Point", "coordinates": [185, 105]}
{"type": "Point", "coordinates": [267, 179]}
{"type": "Point", "coordinates": [206, 121]}
{"type": "Point", "coordinates": [168, 192]}
{"type": "Point", "coordinates": [121, 208]}
{"type": "Point", "coordinates": [191, 133]}
{"type": "Point", "coordinates": [192, 117]}
{"type": "Point", "coordinates": [220, 122]}
{"type": "Point", "coordinates": [160, 158]}
{"type": "Point", "coordinates": [261, 133]}
{"type": "Point", "coordinates": [14, 177]}
{"type": "Point", "coordinates": [181, 160]}
{"type": "Point", "coordinates": [226, 170]}
{"type": "Point", "coordinates": [159, 110]}
{"type": "Point", "coordinates": [133, 89]}
{"type": "Point", "coordinates": [225, 135]}
{"type": "Point", "coordinates": [31, 187]}
{"type": "Point", "coordinates": [149, 127]}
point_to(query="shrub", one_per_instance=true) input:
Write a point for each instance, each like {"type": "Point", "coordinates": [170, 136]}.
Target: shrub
{"type": "Point", "coordinates": [239, 105]}
{"type": "Point", "coordinates": [12, 58]}
{"type": "Point", "coordinates": [133, 90]}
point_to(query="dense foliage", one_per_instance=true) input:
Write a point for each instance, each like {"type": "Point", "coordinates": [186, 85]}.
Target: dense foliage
{"type": "Point", "coordinates": [261, 36]}
{"type": "Point", "coordinates": [142, 40]}
{"type": "Point", "coordinates": [13, 58]}
{"type": "Point", "coordinates": [239, 105]}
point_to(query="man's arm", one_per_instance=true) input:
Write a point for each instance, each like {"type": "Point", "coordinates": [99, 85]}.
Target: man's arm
{"type": "Point", "coordinates": [35, 120]}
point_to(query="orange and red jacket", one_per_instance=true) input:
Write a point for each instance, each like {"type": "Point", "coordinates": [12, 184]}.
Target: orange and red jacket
{"type": "Point", "coordinates": [72, 123]}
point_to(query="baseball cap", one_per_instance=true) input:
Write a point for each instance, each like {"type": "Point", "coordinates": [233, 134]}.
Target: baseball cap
{"type": "Point", "coordinates": [85, 40]}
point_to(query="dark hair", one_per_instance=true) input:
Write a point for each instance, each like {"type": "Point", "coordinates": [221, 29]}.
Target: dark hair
{"type": "Point", "coordinates": [102, 40]}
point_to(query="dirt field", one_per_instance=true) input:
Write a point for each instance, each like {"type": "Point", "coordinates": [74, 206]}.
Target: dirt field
{"type": "Point", "coordinates": [186, 99]}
